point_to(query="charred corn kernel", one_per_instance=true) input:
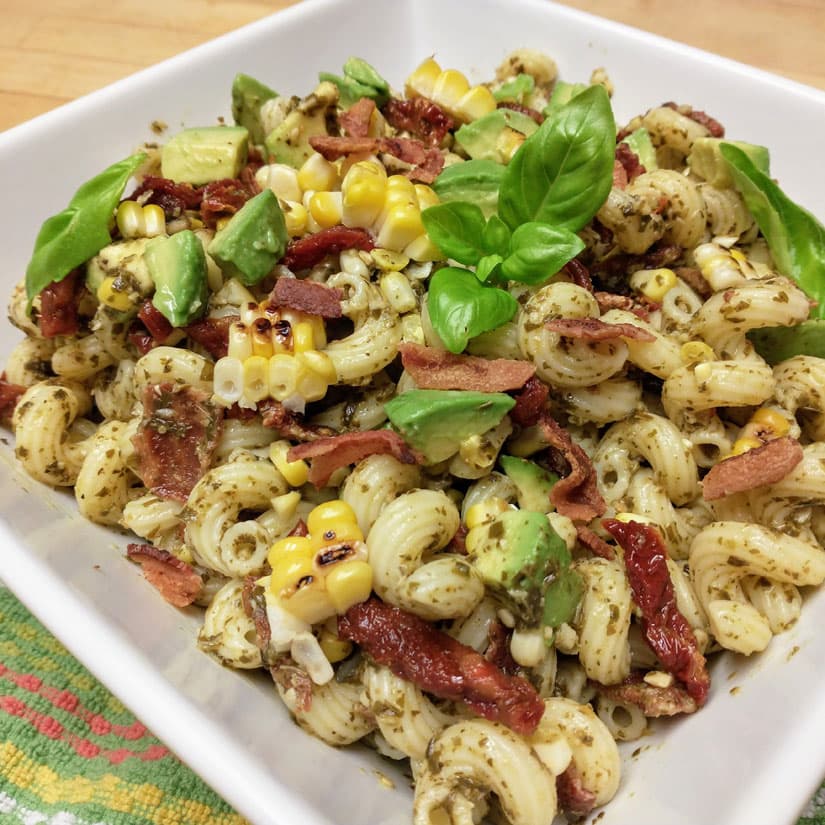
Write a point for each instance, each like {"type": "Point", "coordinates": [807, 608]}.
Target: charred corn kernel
{"type": "Point", "coordinates": [348, 584]}
{"type": "Point", "coordinates": [256, 378]}
{"type": "Point", "coordinates": [283, 375]}
{"type": "Point", "coordinates": [656, 283]}
{"type": "Point", "coordinates": [321, 364]}
{"type": "Point", "coordinates": [476, 102]}
{"type": "Point", "coordinates": [228, 381]}
{"type": "Point", "coordinates": [288, 571]}
{"type": "Point", "coordinates": [240, 342]}
{"type": "Point", "coordinates": [136, 221]}
{"type": "Point", "coordinates": [309, 384]}
{"type": "Point", "coordinates": [114, 293]}
{"type": "Point", "coordinates": [742, 445]}
{"type": "Point", "coordinates": [423, 249]}
{"type": "Point", "coordinates": [295, 218]}
{"type": "Point", "coordinates": [318, 173]}
{"type": "Point", "coordinates": [695, 352]}
{"type": "Point", "coordinates": [310, 602]}
{"type": "Point", "coordinates": [291, 547]}
{"type": "Point", "coordinates": [250, 312]}
{"type": "Point", "coordinates": [770, 420]}
{"type": "Point", "coordinates": [719, 266]}
{"type": "Point", "coordinates": [388, 260]}
{"type": "Point", "coordinates": [295, 472]}
{"type": "Point", "coordinates": [319, 331]}
{"type": "Point", "coordinates": [282, 179]}
{"type": "Point", "coordinates": [335, 648]}
{"type": "Point", "coordinates": [508, 143]}
{"type": "Point", "coordinates": [398, 292]}
{"type": "Point", "coordinates": [302, 337]}
{"type": "Point", "coordinates": [260, 334]}
{"type": "Point", "coordinates": [402, 226]}
{"type": "Point", "coordinates": [422, 81]}
{"type": "Point", "coordinates": [362, 193]}
{"type": "Point", "coordinates": [485, 511]}
{"type": "Point", "coordinates": [426, 196]}
{"type": "Point", "coordinates": [326, 208]}
{"type": "Point", "coordinates": [335, 521]}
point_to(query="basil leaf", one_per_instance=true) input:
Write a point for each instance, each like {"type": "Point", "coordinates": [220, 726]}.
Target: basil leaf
{"type": "Point", "coordinates": [488, 267]}
{"type": "Point", "coordinates": [456, 229]}
{"type": "Point", "coordinates": [538, 251]}
{"type": "Point", "coordinates": [475, 181]}
{"type": "Point", "coordinates": [562, 174]}
{"type": "Point", "coordinates": [496, 236]}
{"type": "Point", "coordinates": [461, 307]}
{"type": "Point", "coordinates": [777, 344]}
{"type": "Point", "coordinates": [362, 72]}
{"type": "Point", "coordinates": [81, 230]}
{"type": "Point", "coordinates": [516, 89]}
{"type": "Point", "coordinates": [795, 237]}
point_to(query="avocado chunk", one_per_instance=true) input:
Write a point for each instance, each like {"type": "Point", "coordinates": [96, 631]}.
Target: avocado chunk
{"type": "Point", "coordinates": [533, 483]}
{"type": "Point", "coordinates": [123, 260]}
{"type": "Point", "coordinates": [562, 94]}
{"type": "Point", "coordinates": [520, 558]}
{"type": "Point", "coordinates": [777, 344]}
{"type": "Point", "coordinates": [435, 422]}
{"type": "Point", "coordinates": [248, 95]}
{"type": "Point", "coordinates": [642, 146]}
{"type": "Point", "coordinates": [488, 137]}
{"type": "Point", "coordinates": [476, 181]}
{"type": "Point", "coordinates": [205, 154]}
{"type": "Point", "coordinates": [253, 240]}
{"type": "Point", "coordinates": [177, 265]}
{"type": "Point", "coordinates": [706, 160]}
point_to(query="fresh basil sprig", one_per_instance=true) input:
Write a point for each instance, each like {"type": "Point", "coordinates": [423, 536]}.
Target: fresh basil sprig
{"type": "Point", "coordinates": [795, 237]}
{"type": "Point", "coordinates": [516, 89]}
{"type": "Point", "coordinates": [538, 249]}
{"type": "Point", "coordinates": [461, 307]}
{"type": "Point", "coordinates": [81, 230]}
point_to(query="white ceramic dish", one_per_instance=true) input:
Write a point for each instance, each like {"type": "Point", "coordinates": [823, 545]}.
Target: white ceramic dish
{"type": "Point", "coordinates": [751, 756]}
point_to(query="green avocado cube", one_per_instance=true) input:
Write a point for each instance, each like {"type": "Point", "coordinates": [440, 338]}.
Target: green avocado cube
{"type": "Point", "coordinates": [705, 159]}
{"type": "Point", "coordinates": [205, 154]}
{"type": "Point", "coordinates": [642, 146]}
{"type": "Point", "coordinates": [481, 139]}
{"type": "Point", "coordinates": [253, 240]}
{"type": "Point", "coordinates": [177, 265]}
{"type": "Point", "coordinates": [248, 95]}
{"type": "Point", "coordinates": [533, 483]}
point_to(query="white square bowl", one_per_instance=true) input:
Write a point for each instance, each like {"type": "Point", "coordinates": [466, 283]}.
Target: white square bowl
{"type": "Point", "coordinates": [752, 755]}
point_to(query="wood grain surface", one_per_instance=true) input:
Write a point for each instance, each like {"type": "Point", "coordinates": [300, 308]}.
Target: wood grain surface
{"type": "Point", "coordinates": [52, 51]}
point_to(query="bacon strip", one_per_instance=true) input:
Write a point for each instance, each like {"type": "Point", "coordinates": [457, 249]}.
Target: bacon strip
{"type": "Point", "coordinates": [305, 252]}
{"type": "Point", "coordinates": [654, 701]}
{"type": "Point", "coordinates": [212, 334]}
{"type": "Point", "coordinates": [287, 423]}
{"type": "Point", "coordinates": [176, 438]}
{"type": "Point", "coordinates": [619, 174]}
{"type": "Point", "coordinates": [715, 128]}
{"type": "Point", "coordinates": [420, 116]}
{"type": "Point", "coordinates": [328, 454]}
{"type": "Point", "coordinates": [58, 306]}
{"type": "Point", "coordinates": [175, 580]}
{"type": "Point", "coordinates": [574, 798]}
{"type": "Point", "coordinates": [579, 274]}
{"type": "Point", "coordinates": [355, 122]}
{"type": "Point", "coordinates": [173, 198]}
{"type": "Point", "coordinates": [223, 198]}
{"type": "Point", "coordinates": [306, 296]}
{"type": "Point", "coordinates": [666, 630]}
{"type": "Point", "coordinates": [594, 329]}
{"type": "Point", "coordinates": [594, 542]}
{"type": "Point", "coordinates": [576, 495]}
{"type": "Point", "coordinates": [530, 402]}
{"type": "Point", "coordinates": [439, 664]}
{"type": "Point", "coordinates": [426, 161]}
{"type": "Point", "coordinates": [609, 300]}
{"type": "Point", "coordinates": [9, 396]}
{"type": "Point", "coordinates": [763, 465]}
{"type": "Point", "coordinates": [434, 369]}
{"type": "Point", "coordinates": [629, 161]}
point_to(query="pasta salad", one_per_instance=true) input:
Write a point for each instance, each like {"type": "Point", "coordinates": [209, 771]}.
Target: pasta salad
{"type": "Point", "coordinates": [477, 420]}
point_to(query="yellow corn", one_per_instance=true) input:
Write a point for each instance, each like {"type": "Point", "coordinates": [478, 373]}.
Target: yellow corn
{"type": "Point", "coordinates": [657, 283]}
{"type": "Point", "coordinates": [335, 648]}
{"type": "Point", "coordinates": [240, 342]}
{"type": "Point", "coordinates": [282, 179]}
{"type": "Point", "coordinates": [310, 602]}
{"type": "Point", "coordinates": [398, 292]}
{"type": "Point", "coordinates": [228, 380]}
{"type": "Point", "coordinates": [260, 334]}
{"type": "Point", "coordinates": [136, 221]}
{"type": "Point", "coordinates": [719, 266]}
{"type": "Point", "coordinates": [295, 218]}
{"type": "Point", "coordinates": [289, 570]}
{"type": "Point", "coordinates": [451, 90]}
{"type": "Point", "coordinates": [449, 87]}
{"type": "Point", "coordinates": [742, 445]}
{"type": "Point", "coordinates": [282, 376]}
{"type": "Point", "coordinates": [772, 421]}
{"type": "Point", "coordinates": [422, 81]}
{"type": "Point", "coordinates": [348, 584]}
{"type": "Point", "coordinates": [508, 143]}
{"type": "Point", "coordinates": [402, 226]}
{"type": "Point", "coordinates": [295, 472]}
{"type": "Point", "coordinates": [302, 337]}
{"type": "Point", "coordinates": [477, 102]}
{"type": "Point", "coordinates": [256, 378]}
{"type": "Point", "coordinates": [423, 249]}
{"type": "Point", "coordinates": [308, 384]}
{"type": "Point", "coordinates": [318, 173]}
{"type": "Point", "coordinates": [111, 293]}
{"type": "Point", "coordinates": [326, 209]}
{"type": "Point", "coordinates": [291, 547]}
{"type": "Point", "coordinates": [335, 521]}
{"type": "Point", "coordinates": [388, 260]}
{"type": "Point", "coordinates": [362, 193]}
{"type": "Point", "coordinates": [321, 364]}
{"type": "Point", "coordinates": [695, 352]}
{"type": "Point", "coordinates": [426, 196]}
{"type": "Point", "coordinates": [485, 511]}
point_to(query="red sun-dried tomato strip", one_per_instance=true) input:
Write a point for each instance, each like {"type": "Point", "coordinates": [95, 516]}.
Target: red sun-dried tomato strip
{"type": "Point", "coordinates": [530, 402]}
{"type": "Point", "coordinates": [290, 424]}
{"type": "Point", "coordinates": [212, 334]}
{"type": "Point", "coordinates": [619, 175]}
{"type": "Point", "coordinates": [421, 117]}
{"type": "Point", "coordinates": [762, 465]}
{"type": "Point", "coordinates": [175, 580]}
{"type": "Point", "coordinates": [576, 495]}
{"type": "Point", "coordinates": [574, 798]}
{"type": "Point", "coordinates": [326, 455]}
{"type": "Point", "coordinates": [9, 396]}
{"type": "Point", "coordinates": [355, 122]}
{"type": "Point", "coordinates": [715, 128]}
{"type": "Point", "coordinates": [653, 701]}
{"type": "Point", "coordinates": [306, 296]}
{"type": "Point", "coordinates": [579, 274]}
{"type": "Point", "coordinates": [58, 306]}
{"type": "Point", "coordinates": [417, 651]}
{"type": "Point", "coordinates": [223, 198]}
{"type": "Point", "coordinates": [156, 323]}
{"type": "Point", "coordinates": [305, 252]}
{"type": "Point", "coordinates": [173, 198]}
{"type": "Point", "coordinates": [629, 161]}
{"type": "Point", "coordinates": [436, 369]}
{"type": "Point", "coordinates": [176, 438]}
{"type": "Point", "coordinates": [664, 627]}
{"type": "Point", "coordinates": [594, 329]}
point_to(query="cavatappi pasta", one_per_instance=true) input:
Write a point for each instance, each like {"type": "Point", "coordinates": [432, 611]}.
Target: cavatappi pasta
{"type": "Point", "coordinates": [196, 405]}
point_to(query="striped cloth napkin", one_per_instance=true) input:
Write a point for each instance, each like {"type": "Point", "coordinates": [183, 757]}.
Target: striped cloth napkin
{"type": "Point", "coordinates": [71, 754]}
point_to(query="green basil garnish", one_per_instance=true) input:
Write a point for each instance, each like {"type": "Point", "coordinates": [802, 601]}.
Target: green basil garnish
{"type": "Point", "coordinates": [456, 229]}
{"type": "Point", "coordinates": [81, 230]}
{"type": "Point", "coordinates": [538, 250]}
{"type": "Point", "coordinates": [516, 89]}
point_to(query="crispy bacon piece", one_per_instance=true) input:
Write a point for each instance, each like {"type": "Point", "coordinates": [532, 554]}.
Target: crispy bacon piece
{"type": "Point", "coordinates": [579, 274]}
{"type": "Point", "coordinates": [629, 161]}
{"type": "Point", "coordinates": [654, 701]}
{"type": "Point", "coordinates": [715, 128]}
{"type": "Point", "coordinates": [426, 161]}
{"type": "Point", "coordinates": [355, 122]}
{"type": "Point", "coordinates": [609, 300]}
{"type": "Point", "coordinates": [535, 114]}
{"type": "Point", "coordinates": [223, 198]}
{"type": "Point", "coordinates": [291, 678]}
{"type": "Point", "coordinates": [255, 608]}
{"type": "Point", "coordinates": [328, 454]}
{"type": "Point", "coordinates": [594, 329]}
{"type": "Point", "coordinates": [664, 627]}
{"type": "Point", "coordinates": [173, 198]}
{"type": "Point", "coordinates": [290, 424]}
{"type": "Point", "coordinates": [176, 438]}
{"type": "Point", "coordinates": [9, 396]}
{"type": "Point", "coordinates": [576, 495]}
{"type": "Point", "coordinates": [175, 580]}
{"type": "Point", "coordinates": [619, 174]}
{"type": "Point", "coordinates": [140, 338]}
{"type": "Point", "coordinates": [305, 252]}
{"type": "Point", "coordinates": [594, 542]}
{"type": "Point", "coordinates": [421, 117]}
{"type": "Point", "coordinates": [530, 402]}
{"type": "Point", "coordinates": [434, 369]}
{"type": "Point", "coordinates": [212, 334]}
{"type": "Point", "coordinates": [306, 296]}
{"type": "Point", "coordinates": [58, 305]}
{"type": "Point", "coordinates": [458, 541]}
{"type": "Point", "coordinates": [694, 278]}
{"type": "Point", "coordinates": [155, 322]}
{"type": "Point", "coordinates": [763, 465]}
{"type": "Point", "coordinates": [417, 651]}
{"type": "Point", "coordinates": [574, 798]}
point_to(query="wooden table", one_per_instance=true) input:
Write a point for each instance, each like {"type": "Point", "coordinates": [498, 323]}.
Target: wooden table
{"type": "Point", "coordinates": [52, 51]}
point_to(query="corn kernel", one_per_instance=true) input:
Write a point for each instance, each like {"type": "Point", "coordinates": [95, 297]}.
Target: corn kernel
{"type": "Point", "coordinates": [335, 648]}
{"type": "Point", "coordinates": [485, 511]}
{"type": "Point", "coordinates": [250, 312]}
{"type": "Point", "coordinates": [398, 292]}
{"type": "Point", "coordinates": [771, 420]}
{"type": "Point", "coordinates": [228, 380]}
{"type": "Point", "coordinates": [402, 226]}
{"type": "Point", "coordinates": [319, 331]}
{"type": "Point", "coordinates": [335, 521]}
{"type": "Point", "coordinates": [308, 384]}
{"type": "Point", "coordinates": [318, 173]}
{"type": "Point", "coordinates": [449, 88]}
{"type": "Point", "coordinates": [321, 364]}
{"type": "Point", "coordinates": [240, 342]}
{"type": "Point", "coordinates": [362, 193]}
{"type": "Point", "coordinates": [348, 584]}
{"type": "Point", "coordinates": [422, 81]}
{"type": "Point", "coordinates": [295, 218]}
{"type": "Point", "coordinates": [508, 143]}
{"type": "Point", "coordinates": [129, 218]}
{"type": "Point", "coordinates": [291, 547]}
{"type": "Point", "coordinates": [310, 602]}
{"type": "Point", "coordinates": [283, 376]}
{"type": "Point", "coordinates": [110, 293]}
{"type": "Point", "coordinates": [412, 331]}
{"type": "Point", "coordinates": [738, 256]}
{"type": "Point", "coordinates": [388, 260]}
{"type": "Point", "coordinates": [628, 517]}
{"type": "Point", "coordinates": [289, 570]}
{"type": "Point", "coordinates": [426, 196]}
{"type": "Point", "coordinates": [695, 352]}
{"type": "Point", "coordinates": [260, 334]}
{"type": "Point", "coordinates": [423, 249]}
{"type": "Point", "coordinates": [742, 445]}
{"type": "Point", "coordinates": [154, 220]}
{"type": "Point", "coordinates": [295, 472]}
{"type": "Point", "coordinates": [302, 337]}
{"type": "Point", "coordinates": [256, 378]}
{"type": "Point", "coordinates": [475, 103]}
{"type": "Point", "coordinates": [657, 283]}
{"type": "Point", "coordinates": [282, 179]}
{"type": "Point", "coordinates": [326, 208]}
